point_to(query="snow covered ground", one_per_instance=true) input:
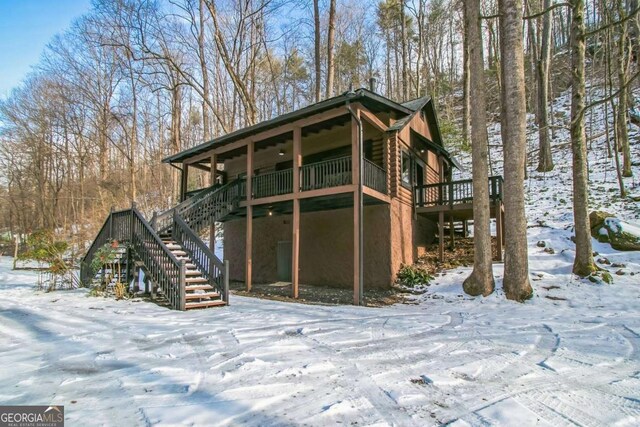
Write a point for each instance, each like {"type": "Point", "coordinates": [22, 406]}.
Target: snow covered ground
{"type": "Point", "coordinates": [569, 360]}
{"type": "Point", "coordinates": [570, 356]}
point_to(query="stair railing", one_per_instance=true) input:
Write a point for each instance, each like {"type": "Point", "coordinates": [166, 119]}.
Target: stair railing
{"type": "Point", "coordinates": [200, 207]}
{"type": "Point", "coordinates": [161, 265]}
{"type": "Point", "coordinates": [202, 256]}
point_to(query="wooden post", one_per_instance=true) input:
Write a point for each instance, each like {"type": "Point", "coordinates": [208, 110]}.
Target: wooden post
{"type": "Point", "coordinates": [452, 231]}
{"type": "Point", "coordinates": [295, 248]}
{"type": "Point", "coordinates": [499, 230]}
{"type": "Point", "coordinates": [465, 228]}
{"type": "Point", "coordinates": [212, 179]}
{"type": "Point", "coordinates": [15, 251]}
{"type": "Point", "coordinates": [441, 235]}
{"type": "Point", "coordinates": [183, 290]}
{"type": "Point", "coordinates": [357, 213]}
{"type": "Point", "coordinates": [502, 223]}
{"type": "Point", "coordinates": [184, 181]}
{"type": "Point", "coordinates": [295, 240]}
{"type": "Point", "coordinates": [226, 281]}
{"type": "Point", "coordinates": [249, 247]}
{"type": "Point", "coordinates": [441, 188]}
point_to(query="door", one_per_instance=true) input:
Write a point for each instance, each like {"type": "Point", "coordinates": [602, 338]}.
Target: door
{"type": "Point", "coordinates": [283, 260]}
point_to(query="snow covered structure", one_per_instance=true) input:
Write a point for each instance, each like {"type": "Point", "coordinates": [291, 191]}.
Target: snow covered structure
{"type": "Point", "coordinates": [341, 192]}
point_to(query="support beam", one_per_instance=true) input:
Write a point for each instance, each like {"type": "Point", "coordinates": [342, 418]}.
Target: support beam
{"type": "Point", "coordinates": [295, 241]}
{"type": "Point", "coordinates": [441, 213]}
{"type": "Point", "coordinates": [249, 244]}
{"type": "Point", "coordinates": [358, 239]}
{"type": "Point", "coordinates": [249, 249]}
{"type": "Point", "coordinates": [499, 230]}
{"type": "Point", "coordinates": [184, 181]}
{"type": "Point", "coordinates": [212, 180]}
{"type": "Point", "coordinates": [295, 249]}
{"type": "Point", "coordinates": [452, 231]}
{"type": "Point", "coordinates": [441, 236]}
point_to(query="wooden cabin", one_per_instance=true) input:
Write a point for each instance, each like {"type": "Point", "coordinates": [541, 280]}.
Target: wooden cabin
{"type": "Point", "coordinates": [340, 193]}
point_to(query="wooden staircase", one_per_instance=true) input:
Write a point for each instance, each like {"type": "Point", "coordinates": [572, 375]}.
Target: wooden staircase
{"type": "Point", "coordinates": [180, 265]}
{"type": "Point", "coordinates": [198, 292]}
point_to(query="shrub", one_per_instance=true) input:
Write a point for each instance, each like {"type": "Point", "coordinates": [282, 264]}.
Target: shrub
{"type": "Point", "coordinates": [411, 275]}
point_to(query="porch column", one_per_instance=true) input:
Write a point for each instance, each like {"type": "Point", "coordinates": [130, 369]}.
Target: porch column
{"type": "Point", "coordinates": [212, 180]}
{"type": "Point", "coordinates": [295, 240]}
{"type": "Point", "coordinates": [249, 191]}
{"type": "Point", "coordinates": [184, 180]}
{"type": "Point", "coordinates": [356, 154]}
{"type": "Point", "coordinates": [441, 213]}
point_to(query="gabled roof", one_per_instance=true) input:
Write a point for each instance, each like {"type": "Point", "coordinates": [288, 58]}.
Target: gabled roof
{"type": "Point", "coordinates": [415, 106]}
{"type": "Point", "coordinates": [362, 95]}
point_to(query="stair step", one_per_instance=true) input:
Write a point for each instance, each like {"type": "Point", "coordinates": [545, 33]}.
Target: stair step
{"type": "Point", "coordinates": [203, 295]}
{"type": "Point", "coordinates": [173, 247]}
{"type": "Point", "coordinates": [193, 272]}
{"type": "Point", "coordinates": [198, 288]}
{"type": "Point", "coordinates": [204, 304]}
{"type": "Point", "coordinates": [178, 253]}
{"type": "Point", "coordinates": [196, 280]}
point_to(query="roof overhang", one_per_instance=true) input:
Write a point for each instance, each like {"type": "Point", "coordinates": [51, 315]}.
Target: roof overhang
{"type": "Point", "coordinates": [367, 98]}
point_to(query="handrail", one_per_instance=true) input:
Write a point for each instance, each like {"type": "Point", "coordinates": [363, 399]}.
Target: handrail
{"type": "Point", "coordinates": [375, 177]}
{"type": "Point", "coordinates": [101, 239]}
{"type": "Point", "coordinates": [454, 192]}
{"type": "Point", "coordinates": [272, 183]}
{"type": "Point", "coordinates": [162, 221]}
{"type": "Point", "coordinates": [325, 174]}
{"type": "Point", "coordinates": [200, 254]}
{"type": "Point", "coordinates": [161, 264]}
{"type": "Point", "coordinates": [215, 206]}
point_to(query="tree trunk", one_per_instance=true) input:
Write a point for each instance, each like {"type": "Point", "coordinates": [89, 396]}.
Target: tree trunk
{"type": "Point", "coordinates": [583, 264]}
{"type": "Point", "coordinates": [481, 281]}
{"type": "Point", "coordinates": [316, 32]}
{"type": "Point", "coordinates": [206, 120]}
{"type": "Point", "coordinates": [623, 77]}
{"type": "Point", "coordinates": [330, 42]}
{"type": "Point", "coordinates": [514, 121]}
{"type": "Point", "coordinates": [545, 160]}
{"type": "Point", "coordinates": [405, 74]}
{"type": "Point", "coordinates": [466, 81]}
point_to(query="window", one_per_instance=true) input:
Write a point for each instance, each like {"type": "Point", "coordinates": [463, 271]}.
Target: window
{"type": "Point", "coordinates": [405, 169]}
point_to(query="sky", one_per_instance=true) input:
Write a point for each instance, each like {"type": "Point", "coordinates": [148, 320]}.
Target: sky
{"type": "Point", "coordinates": [26, 26]}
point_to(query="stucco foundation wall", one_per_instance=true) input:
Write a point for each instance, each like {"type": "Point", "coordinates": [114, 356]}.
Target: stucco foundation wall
{"type": "Point", "coordinates": [326, 247]}
{"type": "Point", "coordinates": [409, 236]}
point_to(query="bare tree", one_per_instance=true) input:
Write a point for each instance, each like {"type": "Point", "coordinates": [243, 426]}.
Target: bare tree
{"type": "Point", "coordinates": [330, 42]}
{"type": "Point", "coordinates": [481, 281]}
{"type": "Point", "coordinates": [583, 264]}
{"type": "Point", "coordinates": [516, 266]}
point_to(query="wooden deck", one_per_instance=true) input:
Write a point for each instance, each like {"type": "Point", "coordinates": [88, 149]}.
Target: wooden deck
{"type": "Point", "coordinates": [452, 201]}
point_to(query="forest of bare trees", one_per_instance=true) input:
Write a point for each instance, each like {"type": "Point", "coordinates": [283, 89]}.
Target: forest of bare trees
{"type": "Point", "coordinates": [133, 81]}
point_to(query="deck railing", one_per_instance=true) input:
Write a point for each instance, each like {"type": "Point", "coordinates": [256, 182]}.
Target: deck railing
{"type": "Point", "coordinates": [313, 176]}
{"type": "Point", "coordinates": [325, 174]}
{"type": "Point", "coordinates": [375, 177]}
{"type": "Point", "coordinates": [272, 183]}
{"type": "Point", "coordinates": [453, 192]}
